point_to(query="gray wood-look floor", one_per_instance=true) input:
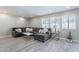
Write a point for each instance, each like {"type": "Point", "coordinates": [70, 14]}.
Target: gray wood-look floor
{"type": "Point", "coordinates": [28, 44]}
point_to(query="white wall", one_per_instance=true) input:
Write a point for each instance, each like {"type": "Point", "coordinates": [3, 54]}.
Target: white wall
{"type": "Point", "coordinates": [35, 22]}
{"type": "Point", "coordinates": [7, 22]}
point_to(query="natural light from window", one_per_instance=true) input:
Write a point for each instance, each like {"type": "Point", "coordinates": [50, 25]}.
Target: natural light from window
{"type": "Point", "coordinates": [57, 22]}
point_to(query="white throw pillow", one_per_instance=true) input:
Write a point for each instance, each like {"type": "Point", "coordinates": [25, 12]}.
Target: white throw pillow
{"type": "Point", "coordinates": [45, 30]}
{"type": "Point", "coordinates": [40, 31]}
{"type": "Point", "coordinates": [29, 29]}
{"type": "Point", "coordinates": [18, 30]}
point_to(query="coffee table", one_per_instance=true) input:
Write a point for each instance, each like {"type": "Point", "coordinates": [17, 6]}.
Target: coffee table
{"type": "Point", "coordinates": [41, 37]}
{"type": "Point", "coordinates": [27, 33]}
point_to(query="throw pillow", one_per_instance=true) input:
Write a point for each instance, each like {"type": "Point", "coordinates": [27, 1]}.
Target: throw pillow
{"type": "Point", "coordinates": [29, 29]}
{"type": "Point", "coordinates": [18, 30]}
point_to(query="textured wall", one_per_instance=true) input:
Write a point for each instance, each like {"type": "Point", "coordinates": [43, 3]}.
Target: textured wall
{"type": "Point", "coordinates": [7, 22]}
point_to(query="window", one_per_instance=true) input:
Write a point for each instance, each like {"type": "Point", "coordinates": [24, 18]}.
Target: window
{"type": "Point", "coordinates": [55, 23]}
{"type": "Point", "coordinates": [45, 22]}
{"type": "Point", "coordinates": [52, 22]}
{"type": "Point", "coordinates": [64, 22]}
{"type": "Point", "coordinates": [72, 22]}
{"type": "Point", "coordinates": [69, 22]}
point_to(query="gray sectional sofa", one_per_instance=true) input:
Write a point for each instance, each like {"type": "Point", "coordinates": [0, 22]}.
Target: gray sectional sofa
{"type": "Point", "coordinates": [37, 36]}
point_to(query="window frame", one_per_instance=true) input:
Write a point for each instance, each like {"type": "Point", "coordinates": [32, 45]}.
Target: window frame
{"type": "Point", "coordinates": [68, 22]}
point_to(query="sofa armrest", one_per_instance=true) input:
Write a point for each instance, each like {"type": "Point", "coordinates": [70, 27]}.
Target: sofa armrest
{"type": "Point", "coordinates": [16, 34]}
{"type": "Point", "coordinates": [13, 33]}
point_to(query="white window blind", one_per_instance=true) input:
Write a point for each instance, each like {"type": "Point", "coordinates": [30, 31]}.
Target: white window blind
{"type": "Point", "coordinates": [45, 22]}
{"type": "Point", "coordinates": [69, 22]}
{"type": "Point", "coordinates": [55, 23]}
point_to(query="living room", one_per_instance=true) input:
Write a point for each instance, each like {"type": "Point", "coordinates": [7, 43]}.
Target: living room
{"type": "Point", "coordinates": [39, 28]}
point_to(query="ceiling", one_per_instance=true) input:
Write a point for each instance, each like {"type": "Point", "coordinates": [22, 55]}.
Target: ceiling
{"type": "Point", "coordinates": [32, 11]}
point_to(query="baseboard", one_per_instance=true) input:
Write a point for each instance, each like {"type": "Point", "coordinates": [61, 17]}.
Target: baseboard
{"type": "Point", "coordinates": [5, 36]}
{"type": "Point", "coordinates": [77, 41]}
